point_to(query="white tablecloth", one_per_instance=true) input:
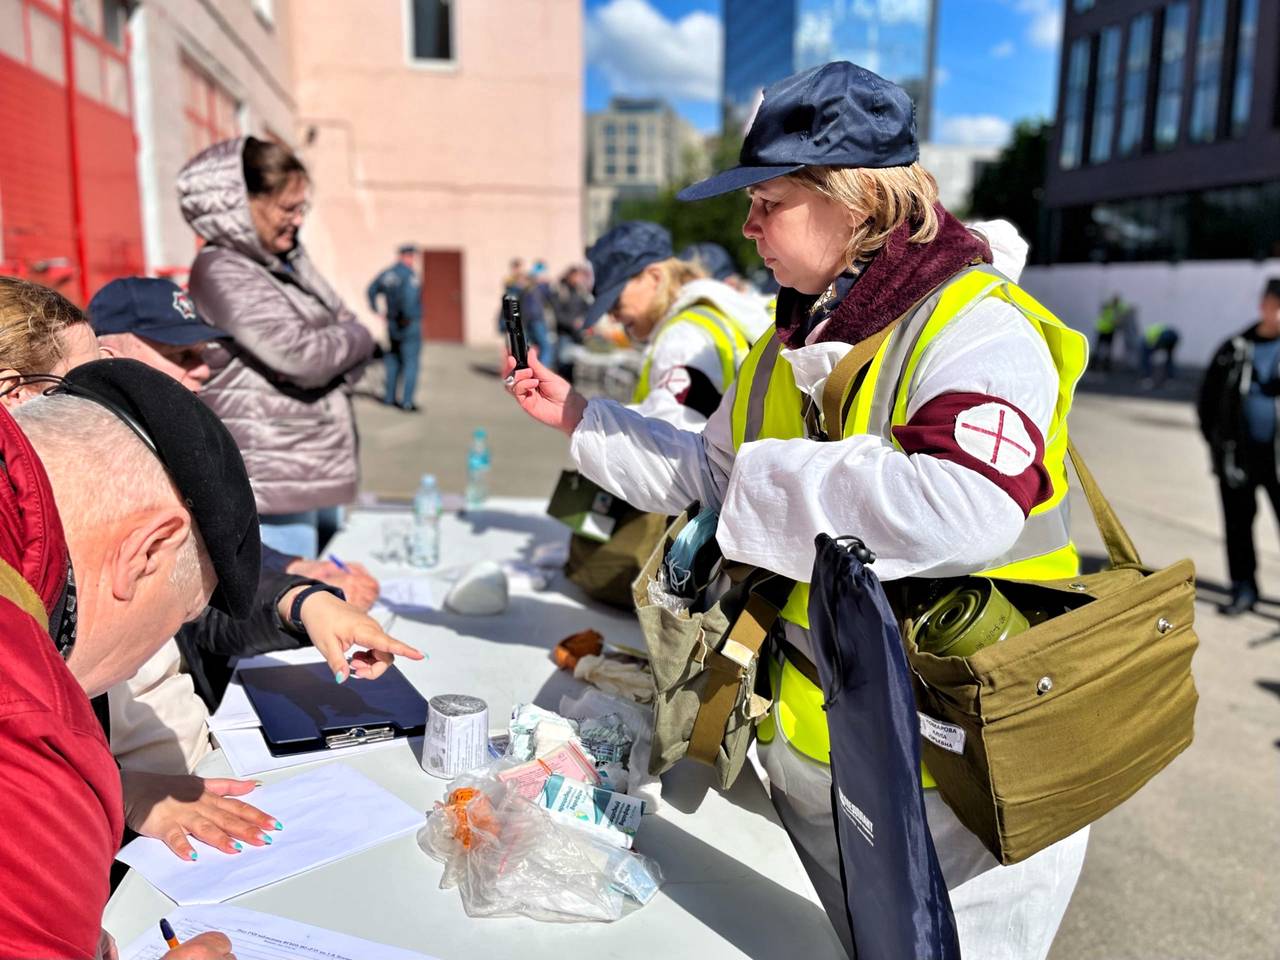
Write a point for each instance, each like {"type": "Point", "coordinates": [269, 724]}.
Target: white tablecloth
{"type": "Point", "coordinates": [735, 887]}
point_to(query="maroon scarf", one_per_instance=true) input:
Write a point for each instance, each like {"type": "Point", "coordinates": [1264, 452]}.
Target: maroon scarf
{"type": "Point", "coordinates": [900, 274]}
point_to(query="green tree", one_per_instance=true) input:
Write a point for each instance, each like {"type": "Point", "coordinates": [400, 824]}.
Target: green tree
{"type": "Point", "coordinates": [1012, 187]}
{"type": "Point", "coordinates": [718, 220]}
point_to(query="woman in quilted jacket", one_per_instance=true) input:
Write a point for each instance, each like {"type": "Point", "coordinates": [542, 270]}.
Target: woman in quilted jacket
{"type": "Point", "coordinates": [282, 383]}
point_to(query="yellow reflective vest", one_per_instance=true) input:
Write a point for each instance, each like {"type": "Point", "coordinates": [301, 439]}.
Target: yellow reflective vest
{"type": "Point", "coordinates": [768, 404]}
{"type": "Point", "coordinates": [731, 344]}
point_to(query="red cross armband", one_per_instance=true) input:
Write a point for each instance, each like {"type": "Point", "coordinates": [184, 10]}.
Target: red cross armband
{"type": "Point", "coordinates": [985, 434]}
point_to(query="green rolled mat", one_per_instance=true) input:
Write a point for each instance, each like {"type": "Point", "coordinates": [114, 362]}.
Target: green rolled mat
{"type": "Point", "coordinates": [967, 619]}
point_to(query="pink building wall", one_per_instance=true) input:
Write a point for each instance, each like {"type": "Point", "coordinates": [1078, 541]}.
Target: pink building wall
{"type": "Point", "coordinates": [481, 155]}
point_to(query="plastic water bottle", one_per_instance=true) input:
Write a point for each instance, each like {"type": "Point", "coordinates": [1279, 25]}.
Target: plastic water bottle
{"type": "Point", "coordinates": [424, 542]}
{"type": "Point", "coordinates": [478, 471]}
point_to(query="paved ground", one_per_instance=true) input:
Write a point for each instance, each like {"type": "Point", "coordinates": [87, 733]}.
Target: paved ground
{"type": "Point", "coordinates": [1186, 870]}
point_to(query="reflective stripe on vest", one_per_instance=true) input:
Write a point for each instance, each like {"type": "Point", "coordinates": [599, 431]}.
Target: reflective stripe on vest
{"type": "Point", "coordinates": [731, 345]}
{"type": "Point", "coordinates": [768, 404]}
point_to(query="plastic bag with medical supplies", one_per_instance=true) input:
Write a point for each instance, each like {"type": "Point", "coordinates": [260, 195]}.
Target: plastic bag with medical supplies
{"type": "Point", "coordinates": [508, 857]}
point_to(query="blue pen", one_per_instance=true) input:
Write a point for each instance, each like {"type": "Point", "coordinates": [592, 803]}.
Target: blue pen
{"type": "Point", "coordinates": [339, 564]}
{"type": "Point", "coordinates": [170, 937]}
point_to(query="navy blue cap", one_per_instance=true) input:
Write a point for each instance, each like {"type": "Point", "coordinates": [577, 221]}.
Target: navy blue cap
{"type": "Point", "coordinates": [157, 309]}
{"type": "Point", "coordinates": [835, 115]}
{"type": "Point", "coordinates": [712, 257]}
{"type": "Point", "coordinates": [407, 248]}
{"type": "Point", "coordinates": [621, 254]}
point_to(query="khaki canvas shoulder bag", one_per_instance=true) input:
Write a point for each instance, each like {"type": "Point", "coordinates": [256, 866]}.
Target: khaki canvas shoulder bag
{"type": "Point", "coordinates": [1034, 737]}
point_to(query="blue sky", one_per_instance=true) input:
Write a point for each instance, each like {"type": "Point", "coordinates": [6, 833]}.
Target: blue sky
{"type": "Point", "coordinates": [997, 60]}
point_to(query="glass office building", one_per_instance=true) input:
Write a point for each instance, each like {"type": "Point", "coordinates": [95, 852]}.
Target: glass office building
{"type": "Point", "coordinates": [766, 40]}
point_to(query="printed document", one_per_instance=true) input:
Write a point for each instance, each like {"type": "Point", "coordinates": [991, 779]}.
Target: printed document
{"type": "Point", "coordinates": [260, 936]}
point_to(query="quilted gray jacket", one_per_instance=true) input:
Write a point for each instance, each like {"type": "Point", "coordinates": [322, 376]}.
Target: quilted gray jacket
{"type": "Point", "coordinates": [281, 385]}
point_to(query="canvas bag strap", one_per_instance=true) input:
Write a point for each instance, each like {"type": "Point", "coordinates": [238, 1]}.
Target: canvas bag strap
{"type": "Point", "coordinates": [727, 667]}
{"type": "Point", "coordinates": [837, 388]}
{"type": "Point", "coordinates": [836, 391]}
{"type": "Point", "coordinates": [1120, 548]}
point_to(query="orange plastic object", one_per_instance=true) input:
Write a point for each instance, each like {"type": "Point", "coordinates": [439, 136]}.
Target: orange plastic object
{"type": "Point", "coordinates": [586, 643]}
{"type": "Point", "coordinates": [469, 807]}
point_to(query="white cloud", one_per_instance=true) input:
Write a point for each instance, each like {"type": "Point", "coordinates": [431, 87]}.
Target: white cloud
{"type": "Point", "coordinates": [815, 35]}
{"type": "Point", "coordinates": [893, 11]}
{"type": "Point", "coordinates": [941, 76]}
{"type": "Point", "coordinates": [1044, 27]}
{"type": "Point", "coordinates": [642, 53]}
{"type": "Point", "coordinates": [1002, 50]}
{"type": "Point", "coordinates": [976, 130]}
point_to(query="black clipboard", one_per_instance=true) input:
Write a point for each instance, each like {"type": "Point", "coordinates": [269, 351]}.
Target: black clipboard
{"type": "Point", "coordinates": [302, 709]}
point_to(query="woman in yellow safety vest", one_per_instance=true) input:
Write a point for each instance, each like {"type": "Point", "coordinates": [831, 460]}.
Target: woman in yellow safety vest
{"type": "Point", "coordinates": [949, 458]}
{"type": "Point", "coordinates": [696, 330]}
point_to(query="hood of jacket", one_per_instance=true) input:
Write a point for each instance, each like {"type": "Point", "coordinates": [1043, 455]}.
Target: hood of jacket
{"type": "Point", "coordinates": [33, 549]}
{"type": "Point", "coordinates": [745, 309]}
{"type": "Point", "coordinates": [1008, 249]}
{"type": "Point", "coordinates": [215, 202]}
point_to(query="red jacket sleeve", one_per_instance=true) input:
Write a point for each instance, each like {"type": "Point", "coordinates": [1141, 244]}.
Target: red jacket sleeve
{"type": "Point", "coordinates": [60, 801]}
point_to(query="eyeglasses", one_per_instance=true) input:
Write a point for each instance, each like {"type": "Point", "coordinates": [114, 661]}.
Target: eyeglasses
{"type": "Point", "coordinates": [293, 210]}
{"type": "Point", "coordinates": [58, 385]}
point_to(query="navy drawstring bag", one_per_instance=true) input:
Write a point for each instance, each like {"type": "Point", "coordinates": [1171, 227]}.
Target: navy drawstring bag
{"type": "Point", "coordinates": [894, 890]}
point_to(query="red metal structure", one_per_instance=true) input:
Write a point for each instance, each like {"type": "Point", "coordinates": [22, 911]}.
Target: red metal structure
{"type": "Point", "coordinates": [69, 207]}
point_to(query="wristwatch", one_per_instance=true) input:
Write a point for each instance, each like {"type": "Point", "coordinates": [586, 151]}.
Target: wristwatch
{"type": "Point", "coordinates": [295, 608]}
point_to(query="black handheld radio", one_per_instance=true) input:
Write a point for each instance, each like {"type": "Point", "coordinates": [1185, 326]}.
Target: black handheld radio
{"type": "Point", "coordinates": [515, 330]}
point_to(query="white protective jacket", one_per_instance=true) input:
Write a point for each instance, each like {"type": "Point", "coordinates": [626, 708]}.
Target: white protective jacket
{"type": "Point", "coordinates": [924, 516]}
{"type": "Point", "coordinates": [686, 345]}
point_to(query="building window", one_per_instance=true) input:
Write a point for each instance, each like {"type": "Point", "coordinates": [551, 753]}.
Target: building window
{"type": "Point", "coordinates": [632, 170]}
{"type": "Point", "coordinates": [610, 169]}
{"type": "Point", "coordinates": [610, 130]}
{"type": "Point", "coordinates": [115, 20]}
{"type": "Point", "coordinates": [633, 129]}
{"type": "Point", "coordinates": [432, 29]}
{"type": "Point", "coordinates": [1173, 56]}
{"type": "Point", "coordinates": [1107, 87]}
{"type": "Point", "coordinates": [1073, 108]}
{"type": "Point", "coordinates": [210, 111]}
{"type": "Point", "coordinates": [1207, 91]}
{"type": "Point", "coordinates": [1137, 63]}
{"type": "Point", "coordinates": [1242, 88]}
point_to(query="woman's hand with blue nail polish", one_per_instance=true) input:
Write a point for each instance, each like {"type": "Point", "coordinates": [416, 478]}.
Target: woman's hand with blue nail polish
{"type": "Point", "coordinates": [175, 808]}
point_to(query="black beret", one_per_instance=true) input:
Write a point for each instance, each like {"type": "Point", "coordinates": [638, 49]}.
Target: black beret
{"type": "Point", "coordinates": [201, 458]}
{"type": "Point", "coordinates": [1272, 288]}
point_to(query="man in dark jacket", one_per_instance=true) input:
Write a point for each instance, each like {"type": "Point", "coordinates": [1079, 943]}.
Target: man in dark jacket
{"type": "Point", "coordinates": [401, 293]}
{"type": "Point", "coordinates": [1238, 415]}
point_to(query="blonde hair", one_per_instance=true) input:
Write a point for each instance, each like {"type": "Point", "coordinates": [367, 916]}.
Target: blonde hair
{"type": "Point", "coordinates": [675, 274]}
{"type": "Point", "coordinates": [884, 199]}
{"type": "Point", "coordinates": [32, 318]}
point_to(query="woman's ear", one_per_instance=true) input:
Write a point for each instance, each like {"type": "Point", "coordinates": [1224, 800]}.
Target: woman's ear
{"type": "Point", "coordinates": [13, 392]}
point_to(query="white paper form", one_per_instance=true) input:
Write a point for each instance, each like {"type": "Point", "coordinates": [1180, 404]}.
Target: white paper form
{"type": "Point", "coordinates": [305, 804]}
{"type": "Point", "coordinates": [409, 593]}
{"type": "Point", "coordinates": [260, 936]}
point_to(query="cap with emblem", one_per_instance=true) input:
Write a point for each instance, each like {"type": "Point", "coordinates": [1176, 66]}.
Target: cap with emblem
{"type": "Point", "coordinates": [712, 257]}
{"type": "Point", "coordinates": [150, 307]}
{"type": "Point", "coordinates": [407, 249]}
{"type": "Point", "coordinates": [835, 115]}
{"type": "Point", "coordinates": [200, 457]}
{"type": "Point", "coordinates": [621, 254]}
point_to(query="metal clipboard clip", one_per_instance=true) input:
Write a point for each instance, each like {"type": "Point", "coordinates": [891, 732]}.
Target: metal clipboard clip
{"type": "Point", "coordinates": [357, 736]}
